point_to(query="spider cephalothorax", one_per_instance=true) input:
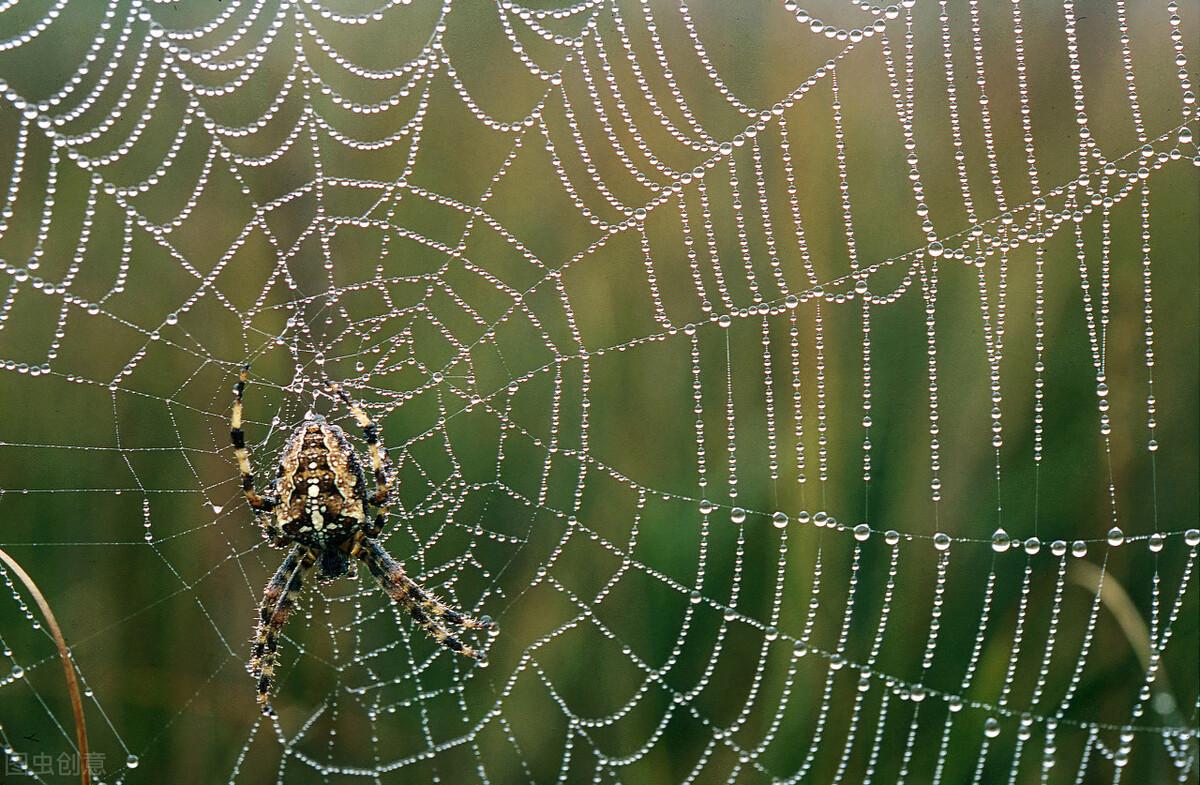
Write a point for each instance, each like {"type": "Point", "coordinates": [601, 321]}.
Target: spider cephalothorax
{"type": "Point", "coordinates": [318, 505]}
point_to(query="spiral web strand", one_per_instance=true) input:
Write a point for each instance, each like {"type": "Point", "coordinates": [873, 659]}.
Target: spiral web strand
{"type": "Point", "coordinates": [728, 360]}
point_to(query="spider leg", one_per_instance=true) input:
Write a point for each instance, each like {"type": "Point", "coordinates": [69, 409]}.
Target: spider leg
{"type": "Point", "coordinates": [279, 598]}
{"type": "Point", "coordinates": [426, 610]}
{"type": "Point", "coordinates": [238, 437]}
{"type": "Point", "coordinates": [380, 463]}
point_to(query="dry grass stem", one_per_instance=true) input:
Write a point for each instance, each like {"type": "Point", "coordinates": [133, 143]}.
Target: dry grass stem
{"type": "Point", "coordinates": [85, 775]}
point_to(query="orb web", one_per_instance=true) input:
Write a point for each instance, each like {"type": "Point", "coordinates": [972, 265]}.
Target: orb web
{"type": "Point", "coordinates": [809, 393]}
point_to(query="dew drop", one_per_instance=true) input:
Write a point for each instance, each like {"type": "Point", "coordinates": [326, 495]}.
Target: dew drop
{"type": "Point", "coordinates": [779, 519]}
{"type": "Point", "coordinates": [1000, 541]}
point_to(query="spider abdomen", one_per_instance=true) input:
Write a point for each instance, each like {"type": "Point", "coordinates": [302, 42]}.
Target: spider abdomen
{"type": "Point", "coordinates": [320, 486]}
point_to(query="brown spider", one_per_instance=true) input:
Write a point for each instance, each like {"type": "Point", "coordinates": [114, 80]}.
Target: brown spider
{"type": "Point", "coordinates": [320, 503]}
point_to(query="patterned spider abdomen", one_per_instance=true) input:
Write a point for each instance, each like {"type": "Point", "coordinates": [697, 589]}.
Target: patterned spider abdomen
{"type": "Point", "coordinates": [320, 487]}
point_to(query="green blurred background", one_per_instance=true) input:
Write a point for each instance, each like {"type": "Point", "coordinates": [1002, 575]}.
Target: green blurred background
{"type": "Point", "coordinates": [582, 535]}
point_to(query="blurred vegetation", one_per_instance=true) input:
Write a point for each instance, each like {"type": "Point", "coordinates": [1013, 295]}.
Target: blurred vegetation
{"type": "Point", "coordinates": [153, 565]}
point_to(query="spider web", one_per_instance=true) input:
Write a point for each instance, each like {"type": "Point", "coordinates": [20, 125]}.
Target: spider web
{"type": "Point", "coordinates": [809, 393]}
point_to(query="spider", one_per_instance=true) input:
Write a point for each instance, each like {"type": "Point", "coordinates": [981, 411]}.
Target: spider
{"type": "Point", "coordinates": [321, 510]}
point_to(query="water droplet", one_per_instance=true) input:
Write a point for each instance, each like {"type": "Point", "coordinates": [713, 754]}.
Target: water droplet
{"type": "Point", "coordinates": [861, 532]}
{"type": "Point", "coordinates": [1058, 547]}
{"type": "Point", "coordinates": [779, 519]}
{"type": "Point", "coordinates": [1033, 545]}
{"type": "Point", "coordinates": [737, 515]}
{"type": "Point", "coordinates": [1000, 541]}
{"type": "Point", "coordinates": [1192, 537]}
{"type": "Point", "coordinates": [954, 703]}
{"type": "Point", "coordinates": [1156, 542]}
{"type": "Point", "coordinates": [132, 762]}
{"type": "Point", "coordinates": [706, 507]}
{"type": "Point", "coordinates": [1079, 549]}
{"type": "Point", "coordinates": [891, 537]}
{"type": "Point", "coordinates": [1115, 537]}
{"type": "Point", "coordinates": [18, 672]}
{"type": "Point", "coordinates": [941, 541]}
{"type": "Point", "coordinates": [694, 597]}
{"type": "Point", "coordinates": [991, 728]}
